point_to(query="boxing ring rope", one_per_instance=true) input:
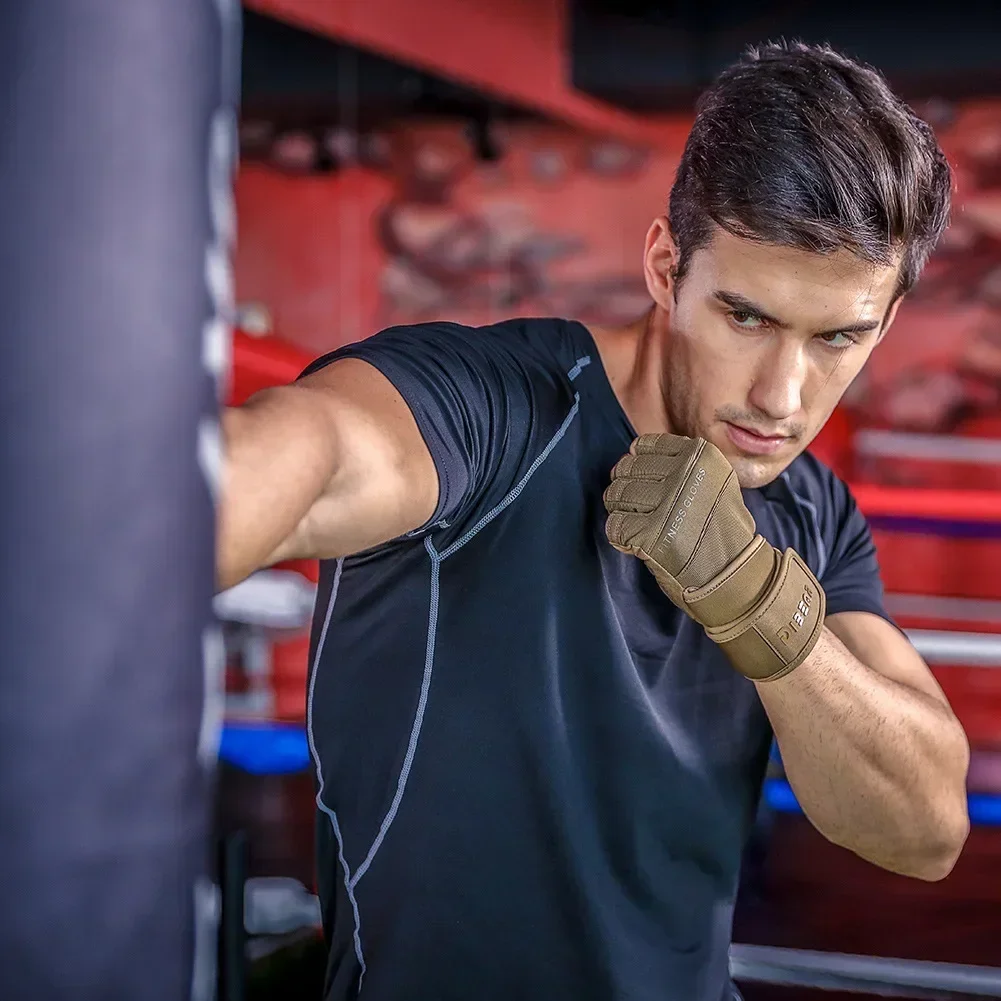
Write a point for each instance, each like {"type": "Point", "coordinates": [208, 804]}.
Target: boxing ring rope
{"type": "Point", "coordinates": [932, 606]}
{"type": "Point", "coordinates": [931, 447]}
{"type": "Point", "coordinates": [948, 647]}
{"type": "Point", "coordinates": [885, 505]}
{"type": "Point", "coordinates": [832, 971]}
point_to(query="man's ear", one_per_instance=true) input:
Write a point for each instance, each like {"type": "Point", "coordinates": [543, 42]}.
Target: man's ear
{"type": "Point", "coordinates": [891, 315]}
{"type": "Point", "coordinates": [660, 259]}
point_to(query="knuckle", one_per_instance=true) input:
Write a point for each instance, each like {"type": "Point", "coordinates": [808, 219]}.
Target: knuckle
{"type": "Point", "coordinates": [613, 528]}
{"type": "Point", "coordinates": [624, 465]}
{"type": "Point", "coordinates": [613, 493]}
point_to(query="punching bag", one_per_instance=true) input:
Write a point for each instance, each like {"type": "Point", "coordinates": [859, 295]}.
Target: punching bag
{"type": "Point", "coordinates": [117, 120]}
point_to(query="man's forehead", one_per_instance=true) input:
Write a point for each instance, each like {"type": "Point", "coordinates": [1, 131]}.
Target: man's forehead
{"type": "Point", "coordinates": [789, 279]}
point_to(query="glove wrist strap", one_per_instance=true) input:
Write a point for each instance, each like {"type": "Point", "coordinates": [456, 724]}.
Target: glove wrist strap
{"type": "Point", "coordinates": [782, 627]}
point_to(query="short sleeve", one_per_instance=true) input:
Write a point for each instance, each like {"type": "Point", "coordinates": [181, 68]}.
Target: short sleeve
{"type": "Point", "coordinates": [486, 401]}
{"type": "Point", "coordinates": [851, 579]}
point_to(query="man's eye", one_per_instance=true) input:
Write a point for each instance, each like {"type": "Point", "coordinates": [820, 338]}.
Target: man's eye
{"type": "Point", "coordinates": [840, 341]}
{"type": "Point", "coordinates": [746, 321]}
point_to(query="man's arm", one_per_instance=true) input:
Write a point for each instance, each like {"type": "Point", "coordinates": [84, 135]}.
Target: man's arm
{"type": "Point", "coordinates": [328, 466]}
{"type": "Point", "coordinates": [870, 745]}
{"type": "Point", "coordinates": [875, 755]}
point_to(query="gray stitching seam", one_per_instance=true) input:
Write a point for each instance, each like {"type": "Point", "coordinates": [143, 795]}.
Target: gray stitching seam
{"type": "Point", "coordinates": [513, 495]}
{"type": "Point", "coordinates": [415, 731]}
{"type": "Point", "coordinates": [348, 884]}
{"type": "Point", "coordinates": [579, 366]}
{"type": "Point", "coordinates": [436, 560]}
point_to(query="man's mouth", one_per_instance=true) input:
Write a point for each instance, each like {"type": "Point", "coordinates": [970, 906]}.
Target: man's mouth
{"type": "Point", "coordinates": [753, 442]}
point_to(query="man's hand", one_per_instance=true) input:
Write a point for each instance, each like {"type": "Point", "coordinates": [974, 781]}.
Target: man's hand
{"type": "Point", "coordinates": [675, 503]}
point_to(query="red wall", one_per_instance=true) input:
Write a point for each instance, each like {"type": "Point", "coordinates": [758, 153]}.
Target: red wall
{"type": "Point", "coordinates": [555, 227]}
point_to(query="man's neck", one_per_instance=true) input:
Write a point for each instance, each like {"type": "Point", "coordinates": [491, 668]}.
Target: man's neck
{"type": "Point", "coordinates": [633, 359]}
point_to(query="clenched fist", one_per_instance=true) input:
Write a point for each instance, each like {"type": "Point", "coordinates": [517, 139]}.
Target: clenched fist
{"type": "Point", "coordinates": [675, 503]}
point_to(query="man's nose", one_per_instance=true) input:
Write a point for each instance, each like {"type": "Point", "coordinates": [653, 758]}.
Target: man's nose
{"type": "Point", "coordinates": [777, 390]}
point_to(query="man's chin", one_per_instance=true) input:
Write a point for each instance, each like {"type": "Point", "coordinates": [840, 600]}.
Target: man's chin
{"type": "Point", "coordinates": [754, 472]}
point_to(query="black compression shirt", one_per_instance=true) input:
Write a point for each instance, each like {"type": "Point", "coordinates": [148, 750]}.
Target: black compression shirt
{"type": "Point", "coordinates": [535, 774]}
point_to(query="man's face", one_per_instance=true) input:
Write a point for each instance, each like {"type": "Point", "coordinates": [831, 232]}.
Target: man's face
{"type": "Point", "coordinates": [763, 342]}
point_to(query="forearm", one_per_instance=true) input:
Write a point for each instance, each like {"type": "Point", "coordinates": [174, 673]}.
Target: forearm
{"type": "Point", "coordinates": [870, 745]}
{"type": "Point", "coordinates": [268, 487]}
{"type": "Point", "coordinates": [879, 767]}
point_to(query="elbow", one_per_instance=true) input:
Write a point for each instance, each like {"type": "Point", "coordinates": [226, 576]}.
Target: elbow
{"type": "Point", "coordinates": [928, 855]}
{"type": "Point", "coordinates": [949, 817]}
{"type": "Point", "coordinates": [933, 837]}
{"type": "Point", "coordinates": [942, 850]}
{"type": "Point", "coordinates": [943, 835]}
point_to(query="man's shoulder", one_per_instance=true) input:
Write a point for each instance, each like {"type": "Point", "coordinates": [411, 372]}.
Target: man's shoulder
{"type": "Point", "coordinates": [532, 347]}
{"type": "Point", "coordinates": [516, 330]}
{"type": "Point", "coordinates": [543, 340]}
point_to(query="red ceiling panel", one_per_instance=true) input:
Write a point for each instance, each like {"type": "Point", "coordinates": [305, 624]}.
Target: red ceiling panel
{"type": "Point", "coordinates": [513, 49]}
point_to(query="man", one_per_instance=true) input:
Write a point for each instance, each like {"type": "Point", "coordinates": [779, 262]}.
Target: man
{"type": "Point", "coordinates": [542, 696]}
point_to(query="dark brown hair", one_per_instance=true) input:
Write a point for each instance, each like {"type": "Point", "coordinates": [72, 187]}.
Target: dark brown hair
{"type": "Point", "coordinates": [800, 146]}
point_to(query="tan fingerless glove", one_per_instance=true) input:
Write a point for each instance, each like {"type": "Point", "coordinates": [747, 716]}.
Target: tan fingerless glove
{"type": "Point", "coordinates": [675, 503]}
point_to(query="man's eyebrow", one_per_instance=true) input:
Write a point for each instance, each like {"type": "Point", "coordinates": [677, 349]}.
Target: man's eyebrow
{"type": "Point", "coordinates": [742, 304]}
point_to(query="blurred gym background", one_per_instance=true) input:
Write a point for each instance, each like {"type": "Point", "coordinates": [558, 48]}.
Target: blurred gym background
{"type": "Point", "coordinates": [403, 160]}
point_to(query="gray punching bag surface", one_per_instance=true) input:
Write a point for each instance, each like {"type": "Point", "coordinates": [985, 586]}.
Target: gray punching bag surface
{"type": "Point", "coordinates": [116, 123]}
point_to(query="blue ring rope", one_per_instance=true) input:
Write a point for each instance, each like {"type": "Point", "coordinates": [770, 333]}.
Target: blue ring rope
{"type": "Point", "coordinates": [984, 807]}
{"type": "Point", "coordinates": [265, 748]}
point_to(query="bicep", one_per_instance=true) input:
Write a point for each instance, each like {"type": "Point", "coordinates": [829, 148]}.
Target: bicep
{"type": "Point", "coordinates": [883, 648]}
{"type": "Point", "coordinates": [452, 418]}
{"type": "Point", "coordinates": [384, 484]}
